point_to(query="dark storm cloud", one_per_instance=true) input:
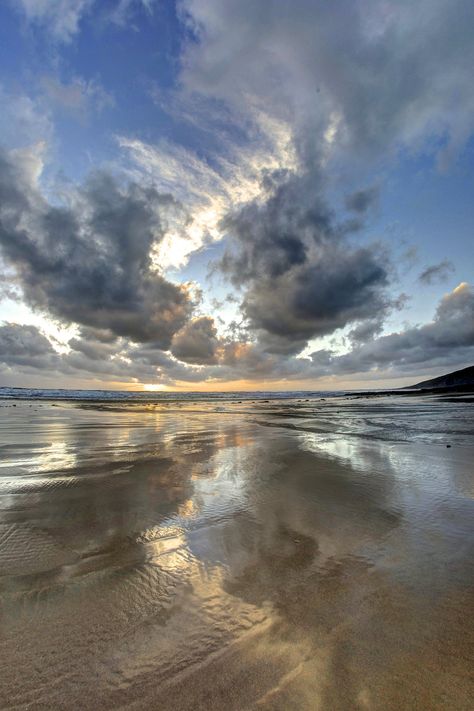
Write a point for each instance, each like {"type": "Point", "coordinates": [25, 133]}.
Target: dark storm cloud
{"type": "Point", "coordinates": [90, 263]}
{"type": "Point", "coordinates": [276, 235]}
{"type": "Point", "coordinates": [94, 348]}
{"type": "Point", "coordinates": [24, 349]}
{"type": "Point", "coordinates": [302, 278]}
{"type": "Point", "coordinates": [197, 342]}
{"type": "Point", "coordinates": [436, 273]}
{"type": "Point", "coordinates": [24, 345]}
{"type": "Point", "coordinates": [366, 331]}
{"type": "Point", "coordinates": [320, 297]}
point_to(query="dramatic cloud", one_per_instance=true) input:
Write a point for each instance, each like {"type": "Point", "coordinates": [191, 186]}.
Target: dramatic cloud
{"type": "Point", "coordinates": [22, 345]}
{"type": "Point", "coordinates": [318, 298]}
{"type": "Point", "coordinates": [94, 354]}
{"type": "Point", "coordinates": [96, 344]}
{"type": "Point", "coordinates": [279, 133]}
{"type": "Point", "coordinates": [447, 341]}
{"type": "Point", "coordinates": [366, 331]}
{"type": "Point", "coordinates": [302, 278]}
{"type": "Point", "coordinates": [209, 189]}
{"type": "Point", "coordinates": [391, 86]}
{"type": "Point", "coordinates": [437, 272]}
{"type": "Point", "coordinates": [91, 262]}
{"type": "Point", "coordinates": [197, 342]}
{"type": "Point", "coordinates": [364, 75]}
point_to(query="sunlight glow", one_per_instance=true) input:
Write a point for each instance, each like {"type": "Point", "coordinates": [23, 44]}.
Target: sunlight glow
{"type": "Point", "coordinates": [153, 387]}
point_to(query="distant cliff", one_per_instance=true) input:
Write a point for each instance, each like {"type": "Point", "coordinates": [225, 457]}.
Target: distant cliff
{"type": "Point", "coordinates": [458, 379]}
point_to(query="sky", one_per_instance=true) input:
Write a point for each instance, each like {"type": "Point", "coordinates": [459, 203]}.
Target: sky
{"type": "Point", "coordinates": [235, 195]}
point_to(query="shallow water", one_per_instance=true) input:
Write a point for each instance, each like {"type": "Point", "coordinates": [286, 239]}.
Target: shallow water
{"type": "Point", "coordinates": [280, 555]}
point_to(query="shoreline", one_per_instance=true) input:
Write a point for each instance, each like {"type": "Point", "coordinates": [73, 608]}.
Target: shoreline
{"type": "Point", "coordinates": [217, 396]}
{"type": "Point", "coordinates": [182, 559]}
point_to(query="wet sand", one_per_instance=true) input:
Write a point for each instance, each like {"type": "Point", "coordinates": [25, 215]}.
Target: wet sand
{"type": "Point", "coordinates": [297, 555]}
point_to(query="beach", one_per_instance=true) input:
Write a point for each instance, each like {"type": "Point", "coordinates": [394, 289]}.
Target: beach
{"type": "Point", "coordinates": [255, 554]}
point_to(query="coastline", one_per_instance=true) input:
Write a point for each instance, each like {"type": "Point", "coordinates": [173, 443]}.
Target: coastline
{"type": "Point", "coordinates": [100, 396]}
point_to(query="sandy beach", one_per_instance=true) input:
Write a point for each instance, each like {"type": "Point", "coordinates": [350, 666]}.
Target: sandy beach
{"type": "Point", "coordinates": [254, 555]}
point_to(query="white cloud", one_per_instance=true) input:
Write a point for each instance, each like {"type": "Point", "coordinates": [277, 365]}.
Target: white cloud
{"type": "Point", "coordinates": [23, 121]}
{"type": "Point", "coordinates": [60, 17]}
{"type": "Point", "coordinates": [209, 191]}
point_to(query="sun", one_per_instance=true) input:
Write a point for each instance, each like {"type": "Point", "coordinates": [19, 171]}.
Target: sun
{"type": "Point", "coordinates": [153, 387]}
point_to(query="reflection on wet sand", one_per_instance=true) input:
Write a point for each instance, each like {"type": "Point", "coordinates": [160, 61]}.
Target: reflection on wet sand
{"type": "Point", "coordinates": [189, 558]}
